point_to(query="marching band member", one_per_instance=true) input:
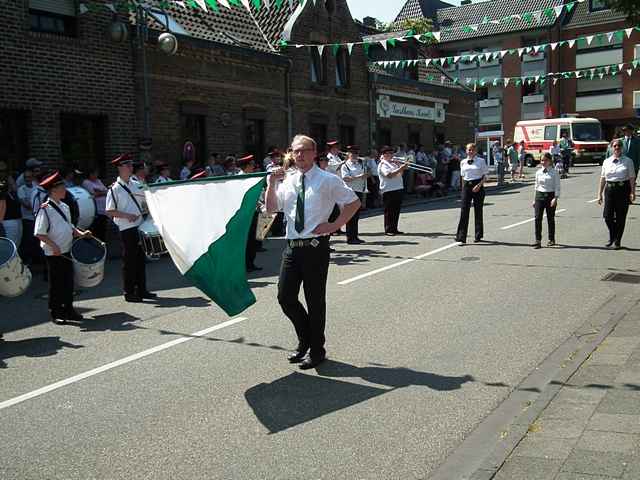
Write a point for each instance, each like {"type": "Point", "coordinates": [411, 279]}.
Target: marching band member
{"type": "Point", "coordinates": [139, 173]}
{"type": "Point", "coordinates": [473, 173]}
{"type": "Point", "coordinates": [335, 161]}
{"type": "Point", "coordinates": [123, 206]}
{"type": "Point", "coordinates": [164, 173]}
{"type": "Point", "coordinates": [392, 188]}
{"type": "Point", "coordinates": [547, 192]}
{"type": "Point", "coordinates": [617, 181]}
{"type": "Point", "coordinates": [55, 231]}
{"type": "Point", "coordinates": [307, 197]}
{"type": "Point", "coordinates": [354, 175]}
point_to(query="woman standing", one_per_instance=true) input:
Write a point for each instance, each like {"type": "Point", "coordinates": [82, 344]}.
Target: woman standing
{"type": "Point", "coordinates": [473, 173]}
{"type": "Point", "coordinates": [522, 158]}
{"type": "Point", "coordinates": [353, 174]}
{"type": "Point", "coordinates": [547, 192]}
{"type": "Point", "coordinates": [617, 181]}
{"type": "Point", "coordinates": [392, 188]}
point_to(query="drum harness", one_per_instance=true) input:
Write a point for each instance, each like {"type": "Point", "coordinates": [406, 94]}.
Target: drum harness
{"type": "Point", "coordinates": [130, 194]}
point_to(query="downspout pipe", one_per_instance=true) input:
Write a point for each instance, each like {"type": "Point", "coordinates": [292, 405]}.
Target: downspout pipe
{"type": "Point", "coordinates": [287, 97]}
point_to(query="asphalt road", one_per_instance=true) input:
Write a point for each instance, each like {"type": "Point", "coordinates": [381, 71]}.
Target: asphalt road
{"type": "Point", "coordinates": [422, 347]}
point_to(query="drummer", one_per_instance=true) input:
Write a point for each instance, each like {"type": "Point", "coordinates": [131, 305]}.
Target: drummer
{"type": "Point", "coordinates": [123, 206]}
{"type": "Point", "coordinates": [55, 231]}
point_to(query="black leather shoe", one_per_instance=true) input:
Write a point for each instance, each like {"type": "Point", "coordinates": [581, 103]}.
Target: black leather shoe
{"type": "Point", "coordinates": [398, 232]}
{"type": "Point", "coordinates": [609, 244]}
{"type": "Point", "coordinates": [253, 268]}
{"type": "Point", "coordinates": [148, 295]}
{"type": "Point", "coordinates": [309, 363]}
{"type": "Point", "coordinates": [296, 357]}
{"type": "Point", "coordinates": [132, 298]}
{"type": "Point", "coordinates": [617, 246]}
{"type": "Point", "coordinates": [73, 315]}
{"type": "Point", "coordinates": [57, 318]}
{"type": "Point", "coordinates": [537, 245]}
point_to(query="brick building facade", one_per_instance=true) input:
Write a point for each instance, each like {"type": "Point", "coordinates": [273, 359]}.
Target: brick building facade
{"type": "Point", "coordinates": [67, 92]}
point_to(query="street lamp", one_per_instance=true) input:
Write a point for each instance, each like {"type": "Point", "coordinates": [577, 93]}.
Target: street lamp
{"type": "Point", "coordinates": [167, 42]}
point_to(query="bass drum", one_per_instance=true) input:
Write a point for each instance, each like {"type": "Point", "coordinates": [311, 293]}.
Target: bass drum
{"type": "Point", "coordinates": [84, 208]}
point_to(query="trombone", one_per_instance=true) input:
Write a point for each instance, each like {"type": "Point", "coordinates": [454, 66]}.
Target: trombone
{"type": "Point", "coordinates": [413, 166]}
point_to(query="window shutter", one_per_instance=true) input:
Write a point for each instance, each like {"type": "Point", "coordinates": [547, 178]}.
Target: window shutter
{"type": "Point", "coordinates": [60, 7]}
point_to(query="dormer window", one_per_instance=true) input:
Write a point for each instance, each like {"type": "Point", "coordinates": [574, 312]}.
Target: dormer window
{"type": "Point", "coordinates": [598, 5]}
{"type": "Point", "coordinates": [54, 16]}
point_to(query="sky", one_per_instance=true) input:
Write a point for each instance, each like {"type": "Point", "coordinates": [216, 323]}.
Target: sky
{"type": "Point", "coordinates": [384, 10]}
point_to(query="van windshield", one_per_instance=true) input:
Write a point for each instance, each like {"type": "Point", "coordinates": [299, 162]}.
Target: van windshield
{"type": "Point", "coordinates": [585, 132]}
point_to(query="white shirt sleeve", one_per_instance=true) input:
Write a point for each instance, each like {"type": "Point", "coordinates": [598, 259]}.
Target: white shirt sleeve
{"type": "Point", "coordinates": [342, 194]}
{"type": "Point", "coordinates": [110, 204]}
{"type": "Point", "coordinates": [280, 196]}
{"type": "Point", "coordinates": [557, 184]}
{"type": "Point", "coordinates": [385, 169]}
{"type": "Point", "coordinates": [41, 226]}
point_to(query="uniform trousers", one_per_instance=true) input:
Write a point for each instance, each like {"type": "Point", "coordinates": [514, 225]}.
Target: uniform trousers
{"type": "Point", "coordinates": [616, 206]}
{"type": "Point", "coordinates": [392, 202]}
{"type": "Point", "coordinates": [352, 224]}
{"type": "Point", "coordinates": [468, 195]}
{"type": "Point", "coordinates": [133, 262]}
{"type": "Point", "coordinates": [306, 266]}
{"type": "Point", "coordinates": [99, 227]}
{"type": "Point", "coordinates": [543, 204]}
{"type": "Point", "coordinates": [60, 283]}
{"type": "Point", "coordinates": [252, 243]}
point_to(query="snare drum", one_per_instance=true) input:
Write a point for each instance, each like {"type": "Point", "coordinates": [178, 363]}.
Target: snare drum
{"type": "Point", "coordinates": [150, 239]}
{"type": "Point", "coordinates": [15, 277]}
{"type": "Point", "coordinates": [86, 206]}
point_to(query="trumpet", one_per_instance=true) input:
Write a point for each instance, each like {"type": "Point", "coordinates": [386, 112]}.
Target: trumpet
{"type": "Point", "coordinates": [413, 166]}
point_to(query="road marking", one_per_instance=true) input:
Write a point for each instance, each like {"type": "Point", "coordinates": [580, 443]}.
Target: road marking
{"type": "Point", "coordinates": [117, 363]}
{"type": "Point", "coordinates": [528, 221]}
{"type": "Point", "coordinates": [398, 264]}
{"type": "Point", "coordinates": [593, 201]}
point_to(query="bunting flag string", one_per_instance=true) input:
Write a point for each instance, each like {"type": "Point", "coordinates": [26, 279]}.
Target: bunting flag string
{"type": "Point", "coordinates": [528, 18]}
{"type": "Point", "coordinates": [533, 50]}
{"type": "Point", "coordinates": [590, 73]}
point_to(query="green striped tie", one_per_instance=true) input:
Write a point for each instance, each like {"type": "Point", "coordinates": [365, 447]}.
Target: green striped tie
{"type": "Point", "coordinates": [300, 208]}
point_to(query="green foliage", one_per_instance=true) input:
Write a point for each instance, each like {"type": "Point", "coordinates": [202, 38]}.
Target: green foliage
{"type": "Point", "coordinates": [631, 8]}
{"type": "Point", "coordinates": [417, 25]}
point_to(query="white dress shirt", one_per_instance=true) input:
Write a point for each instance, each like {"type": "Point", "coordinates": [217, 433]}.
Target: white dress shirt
{"type": "Point", "coordinates": [475, 170]}
{"type": "Point", "coordinates": [25, 194]}
{"type": "Point", "coordinates": [353, 169]}
{"type": "Point", "coordinates": [93, 186]}
{"type": "Point", "coordinates": [59, 230]}
{"type": "Point", "coordinates": [322, 190]}
{"type": "Point", "coordinates": [617, 171]}
{"type": "Point", "coordinates": [162, 179]}
{"type": "Point", "coordinates": [119, 199]}
{"type": "Point", "coordinates": [548, 180]}
{"type": "Point", "coordinates": [387, 183]}
{"type": "Point", "coordinates": [334, 163]}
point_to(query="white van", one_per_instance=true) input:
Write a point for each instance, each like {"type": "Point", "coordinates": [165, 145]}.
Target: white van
{"type": "Point", "coordinates": [586, 134]}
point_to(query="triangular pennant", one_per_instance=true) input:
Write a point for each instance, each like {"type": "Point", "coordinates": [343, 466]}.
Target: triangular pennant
{"type": "Point", "coordinates": [629, 71]}
{"type": "Point", "coordinates": [537, 16]}
{"type": "Point", "coordinates": [334, 49]}
{"type": "Point", "coordinates": [558, 10]}
{"type": "Point", "coordinates": [82, 9]}
{"type": "Point", "coordinates": [181, 4]}
{"type": "Point", "coordinates": [628, 32]}
{"type": "Point", "coordinates": [521, 51]}
{"type": "Point", "coordinates": [610, 36]}
{"type": "Point", "coordinates": [503, 53]}
{"type": "Point", "coordinates": [391, 42]}
{"type": "Point", "coordinates": [436, 35]}
{"type": "Point", "coordinates": [506, 81]}
{"type": "Point", "coordinates": [383, 43]}
{"type": "Point", "coordinates": [635, 63]}
{"type": "Point", "coordinates": [349, 48]}
{"type": "Point", "coordinates": [607, 69]}
{"type": "Point", "coordinates": [571, 42]}
{"type": "Point", "coordinates": [555, 80]}
{"type": "Point", "coordinates": [553, 45]}
{"type": "Point", "coordinates": [203, 5]}
{"type": "Point", "coordinates": [427, 62]}
{"type": "Point", "coordinates": [456, 59]}
{"type": "Point", "coordinates": [620, 66]}
{"type": "Point", "coordinates": [569, 6]}
{"type": "Point", "coordinates": [589, 39]}
{"type": "Point", "coordinates": [320, 49]}
{"type": "Point", "coordinates": [601, 75]}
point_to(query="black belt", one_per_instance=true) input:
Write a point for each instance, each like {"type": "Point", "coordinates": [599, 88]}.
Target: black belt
{"type": "Point", "coordinates": [472, 182]}
{"type": "Point", "coordinates": [305, 242]}
{"type": "Point", "coordinates": [617, 184]}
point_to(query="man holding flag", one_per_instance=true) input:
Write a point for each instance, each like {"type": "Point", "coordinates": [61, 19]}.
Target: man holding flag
{"type": "Point", "coordinates": [307, 198]}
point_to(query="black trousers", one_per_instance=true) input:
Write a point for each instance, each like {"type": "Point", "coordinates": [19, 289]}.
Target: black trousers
{"type": "Point", "coordinates": [392, 202]}
{"type": "Point", "coordinates": [543, 204]}
{"type": "Point", "coordinates": [99, 227]}
{"type": "Point", "coordinates": [616, 206]}
{"type": "Point", "coordinates": [60, 284]}
{"type": "Point", "coordinates": [352, 224]}
{"type": "Point", "coordinates": [133, 262]}
{"type": "Point", "coordinates": [306, 266]}
{"type": "Point", "coordinates": [468, 195]}
{"type": "Point", "coordinates": [30, 250]}
{"type": "Point", "coordinates": [252, 243]}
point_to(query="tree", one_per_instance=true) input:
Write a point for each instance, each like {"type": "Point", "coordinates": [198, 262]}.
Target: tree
{"type": "Point", "coordinates": [631, 8]}
{"type": "Point", "coordinates": [417, 25]}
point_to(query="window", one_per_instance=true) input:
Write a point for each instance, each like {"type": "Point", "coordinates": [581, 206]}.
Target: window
{"type": "Point", "coordinates": [318, 66]}
{"type": "Point", "coordinates": [82, 141]}
{"type": "Point", "coordinates": [343, 69]}
{"type": "Point", "coordinates": [318, 131]}
{"type": "Point", "coordinates": [550, 132]}
{"type": "Point", "coordinates": [597, 5]}
{"type": "Point", "coordinates": [254, 137]}
{"type": "Point", "coordinates": [193, 129]}
{"type": "Point", "coordinates": [347, 135]}
{"type": "Point", "coordinates": [587, 132]}
{"type": "Point", "coordinates": [53, 16]}
{"type": "Point", "coordinates": [565, 129]}
{"type": "Point", "coordinates": [167, 21]}
{"type": "Point", "coordinates": [531, 88]}
{"type": "Point", "coordinates": [14, 138]}
{"type": "Point", "coordinates": [384, 136]}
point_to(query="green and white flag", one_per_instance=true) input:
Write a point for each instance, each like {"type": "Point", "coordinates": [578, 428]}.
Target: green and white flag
{"type": "Point", "coordinates": [205, 224]}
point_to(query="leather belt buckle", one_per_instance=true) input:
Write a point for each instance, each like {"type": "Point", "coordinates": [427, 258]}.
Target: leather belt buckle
{"type": "Point", "coordinates": [314, 243]}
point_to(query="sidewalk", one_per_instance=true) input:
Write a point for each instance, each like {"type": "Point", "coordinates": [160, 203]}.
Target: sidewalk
{"type": "Point", "coordinates": [591, 429]}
